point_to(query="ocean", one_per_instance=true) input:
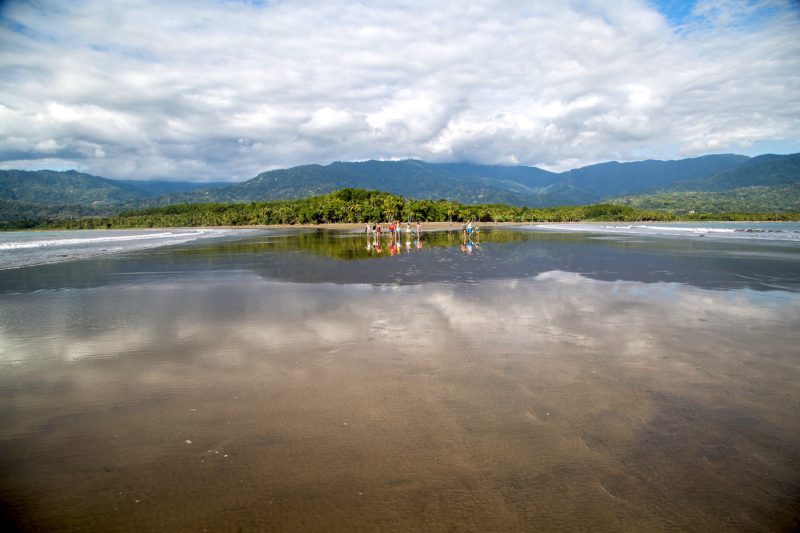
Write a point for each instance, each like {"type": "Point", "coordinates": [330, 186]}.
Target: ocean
{"type": "Point", "coordinates": [26, 248]}
{"type": "Point", "coordinates": [761, 231]}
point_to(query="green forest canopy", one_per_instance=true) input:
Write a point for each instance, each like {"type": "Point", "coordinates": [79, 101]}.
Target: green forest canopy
{"type": "Point", "coordinates": [359, 205]}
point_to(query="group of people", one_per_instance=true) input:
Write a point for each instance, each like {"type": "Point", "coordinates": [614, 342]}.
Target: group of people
{"type": "Point", "coordinates": [393, 231]}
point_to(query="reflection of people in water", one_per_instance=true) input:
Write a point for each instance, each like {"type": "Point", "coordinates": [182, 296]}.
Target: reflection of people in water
{"type": "Point", "coordinates": [466, 243]}
{"type": "Point", "coordinates": [408, 244]}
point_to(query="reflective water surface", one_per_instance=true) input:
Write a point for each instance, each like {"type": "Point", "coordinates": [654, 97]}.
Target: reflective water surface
{"type": "Point", "coordinates": [299, 381]}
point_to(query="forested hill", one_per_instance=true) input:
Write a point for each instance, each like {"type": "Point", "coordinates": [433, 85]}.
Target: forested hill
{"type": "Point", "coordinates": [764, 183]}
{"type": "Point", "coordinates": [461, 182]}
{"type": "Point", "coordinates": [764, 170]}
{"type": "Point", "coordinates": [606, 180]}
{"type": "Point", "coordinates": [48, 194]}
{"type": "Point", "coordinates": [160, 187]}
{"type": "Point", "coordinates": [468, 183]}
{"type": "Point", "coordinates": [357, 205]}
{"type": "Point", "coordinates": [47, 187]}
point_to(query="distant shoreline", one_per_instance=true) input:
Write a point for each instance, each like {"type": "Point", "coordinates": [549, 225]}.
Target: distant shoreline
{"type": "Point", "coordinates": [434, 226]}
{"type": "Point", "coordinates": [359, 207]}
{"type": "Point", "coordinates": [457, 225]}
{"type": "Point", "coordinates": [362, 225]}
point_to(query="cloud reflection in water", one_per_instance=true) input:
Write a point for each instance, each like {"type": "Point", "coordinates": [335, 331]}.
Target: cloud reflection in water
{"type": "Point", "coordinates": [599, 392]}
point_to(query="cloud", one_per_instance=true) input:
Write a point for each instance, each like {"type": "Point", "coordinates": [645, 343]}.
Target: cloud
{"type": "Point", "coordinates": [539, 314]}
{"type": "Point", "coordinates": [222, 90]}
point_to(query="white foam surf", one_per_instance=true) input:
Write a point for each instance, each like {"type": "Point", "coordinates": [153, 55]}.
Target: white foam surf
{"type": "Point", "coordinates": [784, 231]}
{"type": "Point", "coordinates": [19, 249]}
{"type": "Point", "coordinates": [98, 240]}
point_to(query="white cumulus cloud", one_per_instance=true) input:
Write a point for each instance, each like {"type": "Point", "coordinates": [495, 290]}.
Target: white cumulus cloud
{"type": "Point", "coordinates": [224, 90]}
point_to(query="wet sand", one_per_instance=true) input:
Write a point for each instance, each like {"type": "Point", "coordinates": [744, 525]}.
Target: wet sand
{"type": "Point", "coordinates": [224, 400]}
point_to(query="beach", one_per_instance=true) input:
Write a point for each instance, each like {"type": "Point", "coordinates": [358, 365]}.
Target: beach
{"type": "Point", "coordinates": [293, 380]}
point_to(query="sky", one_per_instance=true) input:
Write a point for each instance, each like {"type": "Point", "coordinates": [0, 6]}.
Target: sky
{"type": "Point", "coordinates": [224, 90]}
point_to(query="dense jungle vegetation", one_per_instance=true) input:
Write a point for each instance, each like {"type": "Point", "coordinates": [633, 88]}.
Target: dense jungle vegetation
{"type": "Point", "coordinates": [359, 205]}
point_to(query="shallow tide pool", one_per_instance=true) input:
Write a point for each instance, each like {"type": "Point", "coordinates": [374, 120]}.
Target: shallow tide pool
{"type": "Point", "coordinates": [304, 380]}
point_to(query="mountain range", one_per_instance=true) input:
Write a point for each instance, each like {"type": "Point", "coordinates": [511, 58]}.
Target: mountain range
{"type": "Point", "coordinates": [774, 179]}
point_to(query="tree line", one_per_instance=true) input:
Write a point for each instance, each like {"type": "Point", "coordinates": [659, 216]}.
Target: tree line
{"type": "Point", "coordinates": [366, 206]}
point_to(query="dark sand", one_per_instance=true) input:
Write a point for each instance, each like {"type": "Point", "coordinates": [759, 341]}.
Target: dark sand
{"type": "Point", "coordinates": [214, 398]}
